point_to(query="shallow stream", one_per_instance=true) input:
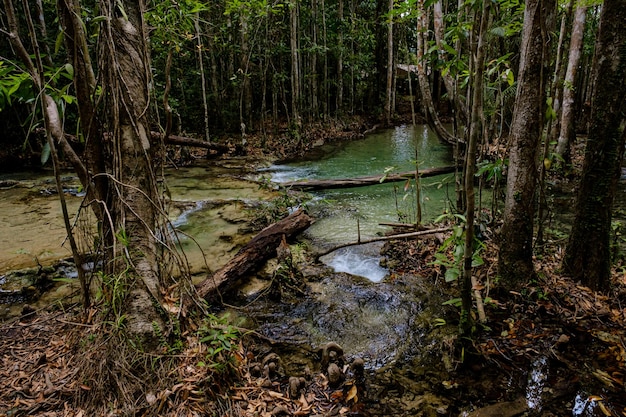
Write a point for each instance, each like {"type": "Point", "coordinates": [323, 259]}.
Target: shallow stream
{"type": "Point", "coordinates": [390, 323]}
{"type": "Point", "coordinates": [345, 214]}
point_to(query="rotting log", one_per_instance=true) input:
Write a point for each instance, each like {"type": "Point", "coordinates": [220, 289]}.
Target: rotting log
{"type": "Point", "coordinates": [252, 256]}
{"type": "Point", "coordinates": [364, 181]}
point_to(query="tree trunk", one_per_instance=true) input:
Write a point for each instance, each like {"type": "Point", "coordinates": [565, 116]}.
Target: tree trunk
{"type": "Point", "coordinates": [515, 261]}
{"type": "Point", "coordinates": [390, 68]}
{"type": "Point", "coordinates": [559, 74]}
{"type": "Point", "coordinates": [134, 214]}
{"type": "Point", "coordinates": [295, 63]}
{"type": "Point", "coordinates": [468, 280]}
{"type": "Point", "coordinates": [205, 105]}
{"type": "Point", "coordinates": [427, 100]}
{"type": "Point", "coordinates": [568, 127]}
{"type": "Point", "coordinates": [339, 102]}
{"type": "Point", "coordinates": [313, 72]}
{"type": "Point", "coordinates": [588, 254]}
{"type": "Point", "coordinates": [252, 255]}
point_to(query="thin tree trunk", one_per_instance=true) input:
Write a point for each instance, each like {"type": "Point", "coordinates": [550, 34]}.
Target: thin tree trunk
{"type": "Point", "coordinates": [469, 281]}
{"type": "Point", "coordinates": [205, 105]}
{"type": "Point", "coordinates": [313, 73]}
{"type": "Point", "coordinates": [427, 100]}
{"type": "Point", "coordinates": [390, 69]}
{"type": "Point", "coordinates": [295, 63]}
{"type": "Point", "coordinates": [339, 104]}
{"type": "Point", "coordinates": [568, 130]}
{"type": "Point", "coordinates": [559, 74]}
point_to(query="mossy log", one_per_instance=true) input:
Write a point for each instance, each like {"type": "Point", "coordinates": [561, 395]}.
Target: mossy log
{"type": "Point", "coordinates": [252, 256]}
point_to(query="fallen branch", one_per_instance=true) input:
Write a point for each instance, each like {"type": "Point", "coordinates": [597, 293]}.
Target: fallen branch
{"type": "Point", "coordinates": [249, 258]}
{"type": "Point", "coordinates": [185, 141]}
{"type": "Point", "coordinates": [384, 238]}
{"type": "Point", "coordinates": [364, 181]}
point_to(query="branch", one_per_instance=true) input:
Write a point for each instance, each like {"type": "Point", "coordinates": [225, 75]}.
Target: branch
{"type": "Point", "coordinates": [384, 238]}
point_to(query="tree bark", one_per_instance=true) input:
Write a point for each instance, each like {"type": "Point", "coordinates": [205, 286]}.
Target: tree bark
{"type": "Point", "coordinates": [390, 68]}
{"type": "Point", "coordinates": [135, 209]}
{"type": "Point", "coordinates": [295, 63]}
{"type": "Point", "coordinates": [568, 127]}
{"type": "Point", "coordinates": [588, 254]}
{"type": "Point", "coordinates": [432, 117]}
{"type": "Point", "coordinates": [364, 181]}
{"type": "Point", "coordinates": [340, 47]}
{"type": "Point", "coordinates": [515, 263]}
{"type": "Point", "coordinates": [261, 248]}
{"type": "Point", "coordinates": [468, 280]}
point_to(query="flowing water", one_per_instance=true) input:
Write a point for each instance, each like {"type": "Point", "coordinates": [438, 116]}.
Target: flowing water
{"type": "Point", "coordinates": [344, 214]}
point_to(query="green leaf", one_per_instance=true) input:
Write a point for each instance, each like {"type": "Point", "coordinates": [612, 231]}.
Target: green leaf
{"type": "Point", "coordinates": [59, 41]}
{"type": "Point", "coordinates": [477, 261]}
{"type": "Point", "coordinates": [452, 274]}
{"type": "Point", "coordinates": [454, 302]}
{"type": "Point", "coordinates": [45, 153]}
{"type": "Point", "coordinates": [69, 68]}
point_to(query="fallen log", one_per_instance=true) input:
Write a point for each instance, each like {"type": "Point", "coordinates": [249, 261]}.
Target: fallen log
{"type": "Point", "coordinates": [249, 258]}
{"type": "Point", "coordinates": [384, 238]}
{"type": "Point", "coordinates": [171, 140]}
{"type": "Point", "coordinates": [363, 181]}
{"type": "Point", "coordinates": [185, 141]}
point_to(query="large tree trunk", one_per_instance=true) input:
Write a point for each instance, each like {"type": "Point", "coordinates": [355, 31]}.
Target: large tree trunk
{"type": "Point", "coordinates": [253, 255]}
{"type": "Point", "coordinates": [515, 262]}
{"type": "Point", "coordinates": [568, 127]}
{"type": "Point", "coordinates": [134, 213]}
{"type": "Point", "coordinates": [588, 253]}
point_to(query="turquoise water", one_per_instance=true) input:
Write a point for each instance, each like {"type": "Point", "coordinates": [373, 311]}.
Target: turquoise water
{"type": "Point", "coordinates": [338, 211]}
{"type": "Point", "coordinates": [371, 205]}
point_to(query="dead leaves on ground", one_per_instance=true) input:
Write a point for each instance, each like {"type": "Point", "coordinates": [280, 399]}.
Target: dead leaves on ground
{"type": "Point", "coordinates": [36, 368]}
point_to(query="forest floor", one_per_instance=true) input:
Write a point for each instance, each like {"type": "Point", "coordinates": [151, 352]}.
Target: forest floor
{"type": "Point", "coordinates": [573, 337]}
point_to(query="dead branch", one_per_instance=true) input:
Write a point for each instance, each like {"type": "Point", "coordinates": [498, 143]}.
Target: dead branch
{"type": "Point", "coordinates": [384, 238]}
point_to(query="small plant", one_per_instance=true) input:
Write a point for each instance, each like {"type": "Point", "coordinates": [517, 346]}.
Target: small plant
{"type": "Point", "coordinates": [450, 254]}
{"type": "Point", "coordinates": [277, 208]}
{"type": "Point", "coordinates": [221, 341]}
